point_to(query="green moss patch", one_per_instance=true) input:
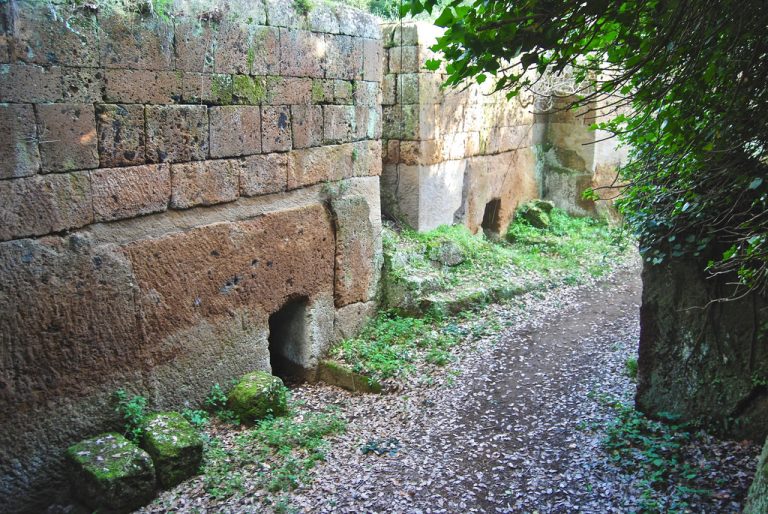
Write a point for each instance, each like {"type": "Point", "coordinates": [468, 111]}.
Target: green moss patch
{"type": "Point", "coordinates": [110, 472]}
{"type": "Point", "coordinates": [175, 446]}
{"type": "Point", "coordinates": [256, 396]}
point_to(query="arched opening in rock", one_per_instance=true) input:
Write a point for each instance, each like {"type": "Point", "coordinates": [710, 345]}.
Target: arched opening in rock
{"type": "Point", "coordinates": [491, 220]}
{"type": "Point", "coordinates": [288, 340]}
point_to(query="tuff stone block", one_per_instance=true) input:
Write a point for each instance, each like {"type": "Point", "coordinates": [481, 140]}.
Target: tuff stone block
{"type": "Point", "coordinates": [343, 92]}
{"type": "Point", "coordinates": [302, 53]}
{"type": "Point", "coordinates": [408, 88]}
{"type": "Point", "coordinates": [284, 13]}
{"type": "Point", "coordinates": [30, 83]}
{"type": "Point", "coordinates": [264, 174]}
{"type": "Point", "coordinates": [366, 159]}
{"type": "Point", "coordinates": [314, 165]}
{"type": "Point", "coordinates": [67, 137]}
{"type": "Point", "coordinates": [109, 473]}
{"type": "Point", "coordinates": [195, 42]}
{"type": "Point", "coordinates": [354, 22]}
{"type": "Point", "coordinates": [401, 122]}
{"type": "Point", "coordinates": [38, 205]}
{"type": "Point", "coordinates": [128, 192]}
{"type": "Point", "coordinates": [204, 183]}
{"type": "Point", "coordinates": [367, 94]}
{"type": "Point", "coordinates": [307, 125]}
{"type": "Point", "coordinates": [175, 446]}
{"type": "Point", "coordinates": [5, 35]}
{"type": "Point", "coordinates": [322, 91]}
{"type": "Point", "coordinates": [338, 123]}
{"type": "Point", "coordinates": [344, 58]}
{"type": "Point", "coordinates": [355, 250]}
{"type": "Point", "coordinates": [207, 88]}
{"type": "Point", "coordinates": [120, 131]}
{"type": "Point", "coordinates": [235, 130]}
{"type": "Point", "coordinates": [19, 156]}
{"type": "Point", "coordinates": [404, 59]}
{"type": "Point", "coordinates": [246, 49]}
{"type": "Point", "coordinates": [256, 396]}
{"type": "Point", "coordinates": [389, 90]}
{"type": "Point", "coordinates": [141, 43]}
{"type": "Point", "coordinates": [367, 122]}
{"type": "Point", "coordinates": [372, 56]}
{"type": "Point", "coordinates": [289, 91]}
{"type": "Point", "coordinates": [176, 133]}
{"type": "Point", "coordinates": [275, 129]}
{"type": "Point", "coordinates": [142, 86]}
{"type": "Point", "coordinates": [81, 85]}
{"type": "Point", "coordinates": [65, 40]}
{"type": "Point", "coordinates": [322, 18]}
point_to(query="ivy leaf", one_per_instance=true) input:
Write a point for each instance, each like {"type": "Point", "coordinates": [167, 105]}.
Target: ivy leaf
{"type": "Point", "coordinates": [756, 183]}
{"type": "Point", "coordinates": [433, 64]}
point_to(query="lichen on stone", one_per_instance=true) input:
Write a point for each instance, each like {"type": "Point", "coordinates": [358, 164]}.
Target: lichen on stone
{"type": "Point", "coordinates": [175, 446]}
{"type": "Point", "coordinates": [256, 396]}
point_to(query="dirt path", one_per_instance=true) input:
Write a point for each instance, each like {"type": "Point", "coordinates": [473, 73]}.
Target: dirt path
{"type": "Point", "coordinates": [508, 435]}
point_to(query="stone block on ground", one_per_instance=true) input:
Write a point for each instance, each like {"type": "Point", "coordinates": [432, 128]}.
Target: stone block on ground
{"type": "Point", "coordinates": [340, 375]}
{"type": "Point", "coordinates": [110, 473]}
{"type": "Point", "coordinates": [19, 156]}
{"type": "Point", "coordinates": [544, 205]}
{"type": "Point", "coordinates": [175, 446]}
{"type": "Point", "coordinates": [256, 396]}
{"type": "Point", "coordinates": [447, 253]}
{"type": "Point", "coordinates": [535, 216]}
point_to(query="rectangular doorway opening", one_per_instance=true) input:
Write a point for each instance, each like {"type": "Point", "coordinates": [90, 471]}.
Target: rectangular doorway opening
{"type": "Point", "coordinates": [491, 220]}
{"type": "Point", "coordinates": [288, 340]}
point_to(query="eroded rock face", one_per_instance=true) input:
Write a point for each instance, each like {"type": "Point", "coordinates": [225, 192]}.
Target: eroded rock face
{"type": "Point", "coordinates": [703, 361]}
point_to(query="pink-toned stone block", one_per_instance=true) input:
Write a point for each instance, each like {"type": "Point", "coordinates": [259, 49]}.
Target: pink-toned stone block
{"type": "Point", "coordinates": [372, 56]}
{"type": "Point", "coordinates": [204, 183]}
{"type": "Point", "coordinates": [42, 204]}
{"type": "Point", "coordinates": [176, 133]}
{"type": "Point", "coordinates": [314, 165]}
{"type": "Point", "coordinates": [30, 83]}
{"type": "Point", "coordinates": [264, 174]}
{"type": "Point", "coordinates": [307, 125]}
{"type": "Point", "coordinates": [289, 90]}
{"type": "Point", "coordinates": [302, 53]}
{"type": "Point", "coordinates": [344, 59]}
{"type": "Point", "coordinates": [235, 130]}
{"type": "Point", "coordinates": [142, 86]}
{"type": "Point", "coordinates": [207, 88]}
{"type": "Point", "coordinates": [136, 43]}
{"type": "Point", "coordinates": [275, 129]}
{"type": "Point", "coordinates": [338, 123]}
{"type": "Point", "coordinates": [128, 192]}
{"type": "Point", "coordinates": [246, 49]}
{"type": "Point", "coordinates": [195, 42]}
{"type": "Point", "coordinates": [68, 139]}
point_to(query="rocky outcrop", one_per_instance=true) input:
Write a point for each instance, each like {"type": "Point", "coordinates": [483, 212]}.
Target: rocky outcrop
{"type": "Point", "coordinates": [702, 359]}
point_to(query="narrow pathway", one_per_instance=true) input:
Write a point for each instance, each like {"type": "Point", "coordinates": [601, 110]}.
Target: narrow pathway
{"type": "Point", "coordinates": [506, 431]}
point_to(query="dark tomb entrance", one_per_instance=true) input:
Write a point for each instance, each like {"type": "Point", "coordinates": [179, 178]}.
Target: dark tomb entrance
{"type": "Point", "coordinates": [491, 221]}
{"type": "Point", "coordinates": [287, 341]}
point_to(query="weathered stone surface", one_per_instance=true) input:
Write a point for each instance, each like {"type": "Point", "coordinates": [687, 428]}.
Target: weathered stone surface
{"type": "Point", "coordinates": [289, 91]}
{"type": "Point", "coordinates": [110, 473]}
{"type": "Point", "coordinates": [276, 129]}
{"type": "Point", "coordinates": [263, 174]}
{"type": "Point", "coordinates": [355, 22]}
{"type": "Point", "coordinates": [246, 49]}
{"type": "Point", "coordinates": [302, 53]}
{"type": "Point", "coordinates": [314, 165]}
{"type": "Point", "coordinates": [340, 375]}
{"type": "Point", "coordinates": [256, 396]}
{"type": "Point", "coordinates": [81, 85]}
{"type": "Point", "coordinates": [30, 83]}
{"type": "Point", "coordinates": [372, 55]}
{"type": "Point", "coordinates": [351, 319]}
{"type": "Point", "coordinates": [355, 250]}
{"type": "Point", "coordinates": [757, 499]}
{"type": "Point", "coordinates": [342, 92]}
{"type": "Point", "coordinates": [33, 206]}
{"type": "Point", "coordinates": [544, 205]}
{"type": "Point", "coordinates": [322, 18]}
{"type": "Point", "coordinates": [700, 360]}
{"type": "Point", "coordinates": [19, 156]}
{"type": "Point", "coordinates": [366, 158]}
{"type": "Point", "coordinates": [143, 86]}
{"type": "Point", "coordinates": [120, 131]}
{"type": "Point", "coordinates": [194, 42]}
{"type": "Point", "coordinates": [344, 57]}
{"type": "Point", "coordinates": [389, 90]}
{"type": "Point", "coordinates": [204, 183]}
{"type": "Point", "coordinates": [69, 39]}
{"type": "Point", "coordinates": [176, 133]}
{"type": "Point", "coordinates": [142, 43]}
{"type": "Point", "coordinates": [235, 130]}
{"type": "Point", "coordinates": [67, 137]}
{"type": "Point", "coordinates": [207, 88]}
{"type": "Point", "coordinates": [127, 192]}
{"type": "Point", "coordinates": [535, 216]}
{"type": "Point", "coordinates": [322, 91]}
{"type": "Point", "coordinates": [338, 123]}
{"type": "Point", "coordinates": [307, 125]}
{"type": "Point", "coordinates": [285, 13]}
{"type": "Point", "coordinates": [404, 59]}
{"type": "Point", "coordinates": [175, 446]}
{"type": "Point", "coordinates": [367, 122]}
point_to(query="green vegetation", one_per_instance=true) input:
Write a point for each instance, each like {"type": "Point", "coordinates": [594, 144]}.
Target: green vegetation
{"type": "Point", "coordinates": [656, 453]}
{"type": "Point", "coordinates": [216, 403]}
{"type": "Point", "coordinates": [630, 368]}
{"type": "Point", "coordinates": [683, 85]}
{"type": "Point", "coordinates": [133, 410]}
{"type": "Point", "coordinates": [276, 455]}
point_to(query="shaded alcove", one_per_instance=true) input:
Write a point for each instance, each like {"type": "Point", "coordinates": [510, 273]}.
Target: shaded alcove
{"type": "Point", "coordinates": [491, 220]}
{"type": "Point", "coordinates": [288, 340]}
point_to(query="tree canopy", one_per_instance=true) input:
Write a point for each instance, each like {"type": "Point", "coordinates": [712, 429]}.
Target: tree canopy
{"type": "Point", "coordinates": [684, 85]}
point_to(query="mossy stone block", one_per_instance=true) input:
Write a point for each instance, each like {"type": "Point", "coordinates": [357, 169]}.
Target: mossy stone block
{"type": "Point", "coordinates": [256, 396]}
{"type": "Point", "coordinates": [544, 205]}
{"type": "Point", "coordinates": [111, 474]}
{"type": "Point", "coordinates": [536, 217]}
{"type": "Point", "coordinates": [175, 446]}
{"type": "Point", "coordinates": [338, 374]}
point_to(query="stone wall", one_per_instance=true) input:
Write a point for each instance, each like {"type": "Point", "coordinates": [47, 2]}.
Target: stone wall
{"type": "Point", "coordinates": [448, 154]}
{"type": "Point", "coordinates": [168, 183]}
{"type": "Point", "coordinates": [701, 359]}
